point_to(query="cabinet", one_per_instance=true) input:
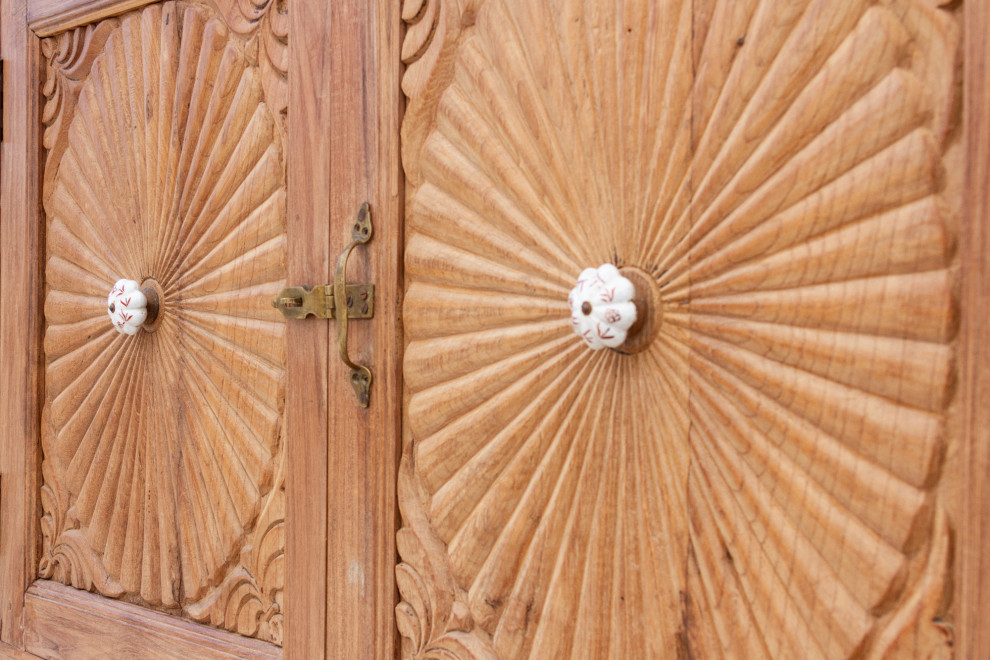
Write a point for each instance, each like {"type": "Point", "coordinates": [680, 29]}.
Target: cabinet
{"type": "Point", "coordinates": [788, 462]}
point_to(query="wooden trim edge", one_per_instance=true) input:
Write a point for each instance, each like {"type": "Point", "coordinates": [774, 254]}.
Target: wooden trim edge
{"type": "Point", "coordinates": [20, 316]}
{"type": "Point", "coordinates": [8, 652]}
{"type": "Point", "coordinates": [59, 619]}
{"type": "Point", "coordinates": [48, 17]}
{"type": "Point", "coordinates": [973, 572]}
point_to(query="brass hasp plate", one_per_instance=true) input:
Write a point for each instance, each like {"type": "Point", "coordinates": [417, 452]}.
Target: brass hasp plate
{"type": "Point", "coordinates": [298, 302]}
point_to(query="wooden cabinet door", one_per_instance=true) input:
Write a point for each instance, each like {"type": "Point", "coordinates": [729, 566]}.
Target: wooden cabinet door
{"type": "Point", "coordinates": [774, 468]}
{"type": "Point", "coordinates": [159, 497]}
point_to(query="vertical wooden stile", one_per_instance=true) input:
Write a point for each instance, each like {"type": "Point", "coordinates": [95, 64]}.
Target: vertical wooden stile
{"type": "Point", "coordinates": [308, 261]}
{"type": "Point", "coordinates": [973, 567]}
{"type": "Point", "coordinates": [364, 101]}
{"type": "Point", "coordinates": [20, 312]}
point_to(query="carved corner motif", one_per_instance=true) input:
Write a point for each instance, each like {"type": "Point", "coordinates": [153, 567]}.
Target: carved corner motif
{"type": "Point", "coordinates": [433, 30]}
{"type": "Point", "coordinates": [68, 57]}
{"type": "Point", "coordinates": [249, 600]}
{"type": "Point", "coordinates": [435, 623]}
{"type": "Point", "coordinates": [265, 26]}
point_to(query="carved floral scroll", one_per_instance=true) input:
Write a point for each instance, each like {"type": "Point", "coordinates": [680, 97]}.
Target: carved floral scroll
{"type": "Point", "coordinates": [766, 479]}
{"type": "Point", "coordinates": [164, 452]}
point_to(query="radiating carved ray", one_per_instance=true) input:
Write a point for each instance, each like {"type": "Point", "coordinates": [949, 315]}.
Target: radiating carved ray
{"type": "Point", "coordinates": [435, 213]}
{"type": "Point", "coordinates": [780, 626]}
{"type": "Point", "coordinates": [262, 264]}
{"type": "Point", "coordinates": [453, 172]}
{"type": "Point", "coordinates": [924, 371]}
{"type": "Point", "coordinates": [433, 311]}
{"type": "Point", "coordinates": [75, 199]}
{"type": "Point", "coordinates": [437, 460]}
{"type": "Point", "coordinates": [869, 569]}
{"type": "Point", "coordinates": [190, 113]}
{"type": "Point", "coordinates": [556, 633]}
{"type": "Point", "coordinates": [224, 182]}
{"type": "Point", "coordinates": [496, 579]}
{"type": "Point", "coordinates": [67, 276]}
{"type": "Point", "coordinates": [730, 610]}
{"type": "Point", "coordinates": [591, 634]}
{"type": "Point", "coordinates": [469, 511]}
{"type": "Point", "coordinates": [513, 141]}
{"type": "Point", "coordinates": [794, 569]}
{"type": "Point", "coordinates": [258, 227]}
{"type": "Point", "coordinates": [257, 382]}
{"type": "Point", "coordinates": [260, 338]}
{"type": "Point", "coordinates": [436, 262]}
{"type": "Point", "coordinates": [530, 584]}
{"type": "Point", "coordinates": [901, 306]}
{"type": "Point", "coordinates": [85, 465]}
{"type": "Point", "coordinates": [228, 214]}
{"type": "Point", "coordinates": [210, 101]}
{"type": "Point", "coordinates": [669, 138]}
{"type": "Point", "coordinates": [854, 417]}
{"type": "Point", "coordinates": [436, 410]}
{"type": "Point", "coordinates": [877, 133]}
{"type": "Point", "coordinates": [442, 359]}
{"type": "Point", "coordinates": [909, 239]}
{"type": "Point", "coordinates": [70, 400]}
{"type": "Point", "coordinates": [60, 340]}
{"type": "Point", "coordinates": [801, 71]}
{"type": "Point", "coordinates": [843, 201]}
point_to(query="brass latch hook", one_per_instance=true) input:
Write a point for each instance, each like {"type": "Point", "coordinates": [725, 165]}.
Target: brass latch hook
{"type": "Point", "coordinates": [360, 375]}
{"type": "Point", "coordinates": [340, 301]}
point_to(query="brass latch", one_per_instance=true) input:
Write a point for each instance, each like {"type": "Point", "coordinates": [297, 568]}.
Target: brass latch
{"type": "Point", "coordinates": [298, 302]}
{"type": "Point", "coordinates": [339, 301]}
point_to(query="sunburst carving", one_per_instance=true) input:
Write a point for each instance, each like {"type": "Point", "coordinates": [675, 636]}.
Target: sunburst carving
{"type": "Point", "coordinates": [161, 449]}
{"type": "Point", "coordinates": [762, 480]}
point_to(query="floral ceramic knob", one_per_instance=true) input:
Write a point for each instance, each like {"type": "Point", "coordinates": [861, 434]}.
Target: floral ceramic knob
{"type": "Point", "coordinates": [130, 306]}
{"type": "Point", "coordinates": [602, 308]}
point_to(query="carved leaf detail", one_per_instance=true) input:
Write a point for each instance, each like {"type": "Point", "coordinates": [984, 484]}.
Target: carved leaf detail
{"type": "Point", "coordinates": [162, 449]}
{"type": "Point", "coordinates": [266, 24]}
{"type": "Point", "coordinates": [771, 461]}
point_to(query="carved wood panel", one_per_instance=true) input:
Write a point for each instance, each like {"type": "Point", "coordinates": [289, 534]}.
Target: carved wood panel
{"type": "Point", "coordinates": [766, 479]}
{"type": "Point", "coordinates": [164, 462]}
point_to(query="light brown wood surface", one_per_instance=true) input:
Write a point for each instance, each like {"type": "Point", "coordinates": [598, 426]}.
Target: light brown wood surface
{"type": "Point", "coordinates": [308, 262]}
{"type": "Point", "coordinates": [63, 622]}
{"type": "Point", "coordinates": [362, 454]}
{"type": "Point", "coordinates": [20, 320]}
{"type": "Point", "coordinates": [164, 461]}
{"type": "Point", "coordinates": [973, 565]}
{"type": "Point", "coordinates": [795, 466]}
{"type": "Point", "coordinates": [766, 479]}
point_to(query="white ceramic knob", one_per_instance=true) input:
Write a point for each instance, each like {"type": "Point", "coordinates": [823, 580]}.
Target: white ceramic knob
{"type": "Point", "coordinates": [602, 308]}
{"type": "Point", "coordinates": [127, 306]}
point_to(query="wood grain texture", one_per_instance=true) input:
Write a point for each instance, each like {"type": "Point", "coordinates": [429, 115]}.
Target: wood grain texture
{"type": "Point", "coordinates": [973, 568]}
{"type": "Point", "coordinates": [308, 262]}
{"type": "Point", "coordinates": [8, 652]}
{"type": "Point", "coordinates": [765, 479]}
{"type": "Point", "coordinates": [63, 622]}
{"type": "Point", "coordinates": [363, 445]}
{"type": "Point", "coordinates": [48, 17]}
{"type": "Point", "coordinates": [164, 461]}
{"type": "Point", "coordinates": [20, 318]}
